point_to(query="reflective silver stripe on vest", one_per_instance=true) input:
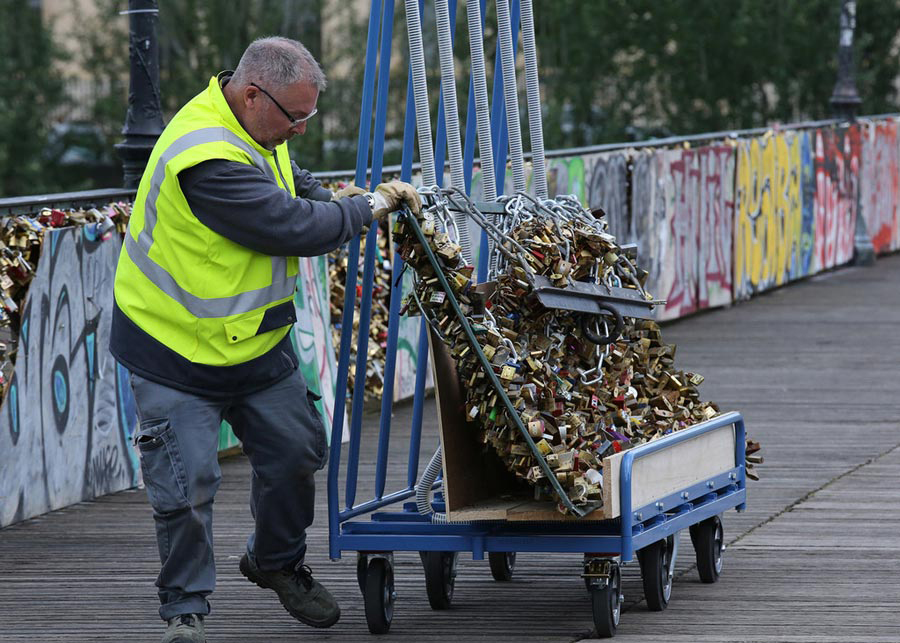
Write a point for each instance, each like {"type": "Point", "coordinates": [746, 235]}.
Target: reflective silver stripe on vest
{"type": "Point", "coordinates": [138, 250]}
{"type": "Point", "coordinates": [279, 269]}
{"type": "Point", "coordinates": [279, 264]}
{"type": "Point", "coordinates": [182, 144]}
{"type": "Point", "coordinates": [205, 308]}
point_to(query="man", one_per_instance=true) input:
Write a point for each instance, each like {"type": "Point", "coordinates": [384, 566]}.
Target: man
{"type": "Point", "coordinates": [202, 317]}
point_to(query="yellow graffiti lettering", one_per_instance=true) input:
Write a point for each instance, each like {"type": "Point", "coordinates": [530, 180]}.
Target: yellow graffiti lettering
{"type": "Point", "coordinates": [769, 212]}
{"type": "Point", "coordinates": [788, 219]}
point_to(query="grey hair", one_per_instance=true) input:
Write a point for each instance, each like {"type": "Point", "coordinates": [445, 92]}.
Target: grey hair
{"type": "Point", "coordinates": [276, 62]}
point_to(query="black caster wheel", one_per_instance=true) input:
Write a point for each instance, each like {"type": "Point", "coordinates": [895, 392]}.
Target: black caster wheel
{"type": "Point", "coordinates": [362, 568]}
{"type": "Point", "coordinates": [502, 565]}
{"type": "Point", "coordinates": [440, 577]}
{"type": "Point", "coordinates": [606, 605]}
{"type": "Point", "coordinates": [657, 568]}
{"type": "Point", "coordinates": [709, 544]}
{"type": "Point", "coordinates": [379, 595]}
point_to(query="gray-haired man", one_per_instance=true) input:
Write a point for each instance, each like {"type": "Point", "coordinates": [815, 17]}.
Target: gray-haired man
{"type": "Point", "coordinates": [202, 319]}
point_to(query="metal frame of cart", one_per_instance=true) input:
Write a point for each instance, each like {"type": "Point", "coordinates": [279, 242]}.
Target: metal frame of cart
{"type": "Point", "coordinates": [647, 531]}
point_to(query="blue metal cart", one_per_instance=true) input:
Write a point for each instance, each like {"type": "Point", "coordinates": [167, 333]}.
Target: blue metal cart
{"type": "Point", "coordinates": [648, 531]}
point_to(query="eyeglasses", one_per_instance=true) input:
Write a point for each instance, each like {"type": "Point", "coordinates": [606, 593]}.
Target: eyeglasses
{"type": "Point", "coordinates": [294, 121]}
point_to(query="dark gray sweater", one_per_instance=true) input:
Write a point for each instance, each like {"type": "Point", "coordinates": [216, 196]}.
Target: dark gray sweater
{"type": "Point", "coordinates": [239, 202]}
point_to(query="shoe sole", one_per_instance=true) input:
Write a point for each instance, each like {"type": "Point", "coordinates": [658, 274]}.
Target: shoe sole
{"type": "Point", "coordinates": [259, 582]}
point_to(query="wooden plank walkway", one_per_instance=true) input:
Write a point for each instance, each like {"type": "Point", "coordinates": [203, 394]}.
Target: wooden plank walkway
{"type": "Point", "coordinates": [816, 558]}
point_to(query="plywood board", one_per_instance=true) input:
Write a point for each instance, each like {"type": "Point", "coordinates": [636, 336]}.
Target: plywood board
{"type": "Point", "coordinates": [664, 472]}
{"type": "Point", "coordinates": [520, 509]}
{"type": "Point", "coordinates": [472, 472]}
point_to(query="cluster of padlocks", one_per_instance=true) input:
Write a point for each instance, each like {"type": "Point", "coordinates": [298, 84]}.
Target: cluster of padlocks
{"type": "Point", "coordinates": [21, 238]}
{"type": "Point", "coordinates": [583, 390]}
{"type": "Point", "coordinates": [378, 325]}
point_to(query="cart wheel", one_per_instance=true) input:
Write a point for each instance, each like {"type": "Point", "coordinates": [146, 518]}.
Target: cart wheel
{"type": "Point", "coordinates": [606, 605]}
{"type": "Point", "coordinates": [709, 544]}
{"type": "Point", "coordinates": [440, 577]}
{"type": "Point", "coordinates": [379, 595]}
{"type": "Point", "coordinates": [502, 564]}
{"type": "Point", "coordinates": [362, 567]}
{"type": "Point", "coordinates": [656, 573]}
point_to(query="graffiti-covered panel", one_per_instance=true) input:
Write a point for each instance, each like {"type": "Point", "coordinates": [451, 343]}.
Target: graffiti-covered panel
{"type": "Point", "coordinates": [715, 205]}
{"type": "Point", "coordinates": [566, 175]}
{"type": "Point", "coordinates": [880, 184]}
{"type": "Point", "coordinates": [679, 173]}
{"type": "Point", "coordinates": [648, 214]}
{"type": "Point", "coordinates": [606, 176]}
{"type": "Point", "coordinates": [68, 417]}
{"type": "Point", "coordinates": [408, 336]}
{"type": "Point", "coordinates": [312, 332]}
{"type": "Point", "coordinates": [837, 165]}
{"type": "Point", "coordinates": [773, 226]}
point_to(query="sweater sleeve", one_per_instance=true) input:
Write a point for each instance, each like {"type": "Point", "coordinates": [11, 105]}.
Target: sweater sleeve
{"type": "Point", "coordinates": [309, 187]}
{"type": "Point", "coordinates": [242, 204]}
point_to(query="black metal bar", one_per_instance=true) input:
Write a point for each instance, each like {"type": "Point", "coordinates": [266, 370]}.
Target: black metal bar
{"type": "Point", "coordinates": [33, 203]}
{"type": "Point", "coordinates": [585, 297]}
{"type": "Point", "coordinates": [144, 122]}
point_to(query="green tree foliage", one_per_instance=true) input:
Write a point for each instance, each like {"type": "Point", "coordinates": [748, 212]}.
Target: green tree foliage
{"type": "Point", "coordinates": [198, 38]}
{"type": "Point", "coordinates": [611, 70]}
{"type": "Point", "coordinates": [621, 69]}
{"type": "Point", "coordinates": [30, 90]}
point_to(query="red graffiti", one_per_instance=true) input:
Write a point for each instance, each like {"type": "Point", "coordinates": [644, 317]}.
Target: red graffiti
{"type": "Point", "coordinates": [699, 220]}
{"type": "Point", "coordinates": [684, 174]}
{"type": "Point", "coordinates": [716, 205]}
{"type": "Point", "coordinates": [880, 205]}
{"type": "Point", "coordinates": [837, 164]}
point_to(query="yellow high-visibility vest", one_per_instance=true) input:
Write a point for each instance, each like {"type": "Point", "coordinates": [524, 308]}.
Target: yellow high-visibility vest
{"type": "Point", "coordinates": [188, 287]}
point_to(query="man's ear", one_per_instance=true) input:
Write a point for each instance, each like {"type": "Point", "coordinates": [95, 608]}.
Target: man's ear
{"type": "Point", "coordinates": [249, 96]}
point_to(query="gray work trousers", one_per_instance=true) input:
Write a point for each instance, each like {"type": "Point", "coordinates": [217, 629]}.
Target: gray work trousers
{"type": "Point", "coordinates": [284, 439]}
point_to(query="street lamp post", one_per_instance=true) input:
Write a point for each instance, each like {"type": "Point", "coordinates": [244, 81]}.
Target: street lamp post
{"type": "Point", "coordinates": [845, 99]}
{"type": "Point", "coordinates": [845, 102]}
{"type": "Point", "coordinates": [143, 123]}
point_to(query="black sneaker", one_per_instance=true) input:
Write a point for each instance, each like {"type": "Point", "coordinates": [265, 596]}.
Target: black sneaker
{"type": "Point", "coordinates": [185, 628]}
{"type": "Point", "coordinates": [301, 595]}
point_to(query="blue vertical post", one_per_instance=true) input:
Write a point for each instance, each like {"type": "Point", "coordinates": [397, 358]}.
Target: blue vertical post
{"type": "Point", "coordinates": [387, 393]}
{"type": "Point", "coordinates": [740, 456]}
{"type": "Point", "coordinates": [415, 436]}
{"type": "Point", "coordinates": [415, 439]}
{"type": "Point", "coordinates": [337, 426]}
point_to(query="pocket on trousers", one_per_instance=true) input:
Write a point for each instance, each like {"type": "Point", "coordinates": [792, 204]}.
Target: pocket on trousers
{"type": "Point", "coordinates": [162, 466]}
{"type": "Point", "coordinates": [321, 437]}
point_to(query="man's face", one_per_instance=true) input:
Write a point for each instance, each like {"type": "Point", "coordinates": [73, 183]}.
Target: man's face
{"type": "Point", "coordinates": [270, 126]}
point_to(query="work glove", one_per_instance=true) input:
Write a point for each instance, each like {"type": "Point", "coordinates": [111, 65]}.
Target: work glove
{"type": "Point", "coordinates": [350, 190]}
{"type": "Point", "coordinates": [390, 197]}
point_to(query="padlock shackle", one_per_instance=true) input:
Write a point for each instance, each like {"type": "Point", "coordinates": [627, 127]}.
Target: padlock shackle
{"type": "Point", "coordinates": [613, 335]}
